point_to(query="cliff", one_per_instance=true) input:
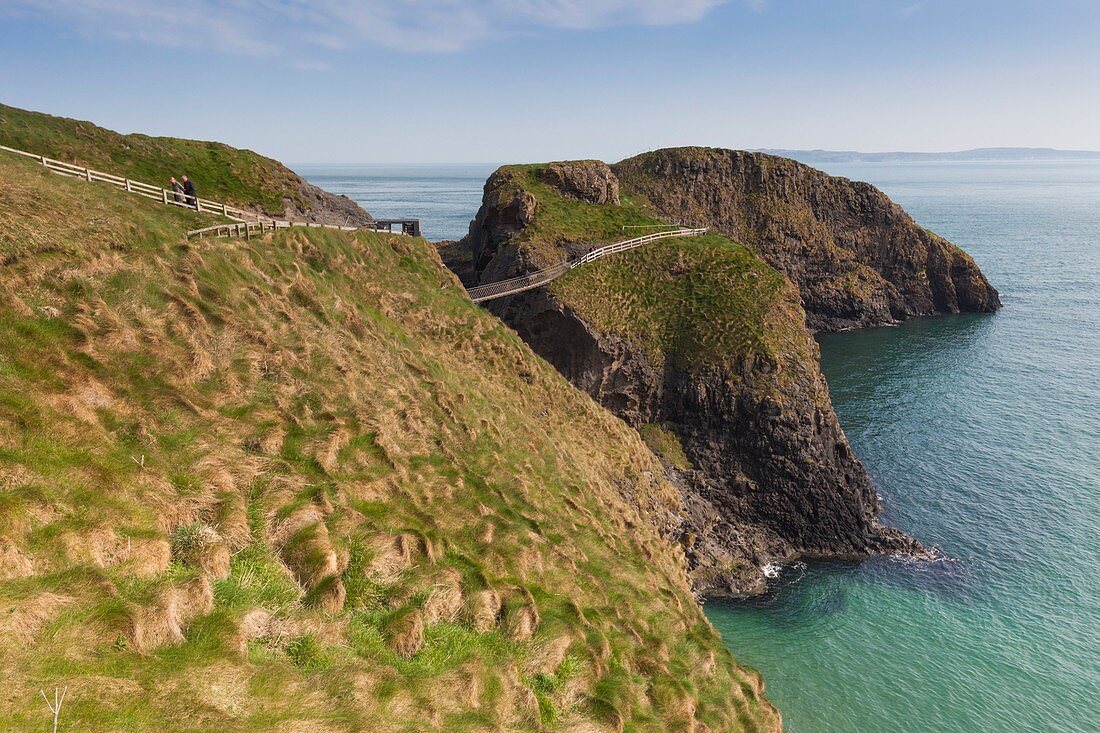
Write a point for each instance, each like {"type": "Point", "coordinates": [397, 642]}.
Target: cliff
{"type": "Point", "coordinates": [220, 172]}
{"type": "Point", "coordinates": [300, 483]}
{"type": "Point", "coordinates": [857, 258]}
{"type": "Point", "coordinates": [702, 346]}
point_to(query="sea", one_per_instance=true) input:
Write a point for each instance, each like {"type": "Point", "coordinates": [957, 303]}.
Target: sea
{"type": "Point", "coordinates": [982, 435]}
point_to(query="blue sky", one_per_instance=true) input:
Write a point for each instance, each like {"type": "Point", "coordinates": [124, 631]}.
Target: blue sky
{"type": "Point", "coordinates": [493, 81]}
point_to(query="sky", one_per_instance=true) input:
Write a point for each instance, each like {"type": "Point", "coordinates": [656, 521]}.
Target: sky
{"type": "Point", "coordinates": [449, 82]}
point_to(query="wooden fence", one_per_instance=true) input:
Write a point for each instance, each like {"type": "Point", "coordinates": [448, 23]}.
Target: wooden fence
{"type": "Point", "coordinates": [245, 222]}
{"type": "Point", "coordinates": [245, 229]}
{"type": "Point", "coordinates": [163, 195]}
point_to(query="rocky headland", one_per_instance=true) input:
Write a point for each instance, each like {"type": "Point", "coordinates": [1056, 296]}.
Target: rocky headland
{"type": "Point", "coordinates": [857, 258]}
{"type": "Point", "coordinates": [301, 483]}
{"type": "Point", "coordinates": [705, 345]}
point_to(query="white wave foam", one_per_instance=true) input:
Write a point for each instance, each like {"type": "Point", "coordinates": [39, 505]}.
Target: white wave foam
{"type": "Point", "coordinates": [929, 556]}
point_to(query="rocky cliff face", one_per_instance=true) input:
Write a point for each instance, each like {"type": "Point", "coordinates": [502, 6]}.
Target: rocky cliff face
{"type": "Point", "coordinates": [769, 475]}
{"type": "Point", "coordinates": [857, 258]}
{"type": "Point", "coordinates": [315, 204]}
{"type": "Point", "coordinates": [506, 210]}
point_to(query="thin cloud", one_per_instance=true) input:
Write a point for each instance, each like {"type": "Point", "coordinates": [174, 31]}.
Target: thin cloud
{"type": "Point", "coordinates": [909, 10]}
{"type": "Point", "coordinates": [602, 13]}
{"type": "Point", "coordinates": [274, 27]}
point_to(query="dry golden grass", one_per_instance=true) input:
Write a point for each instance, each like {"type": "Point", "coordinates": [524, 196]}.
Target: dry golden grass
{"type": "Point", "coordinates": [301, 483]}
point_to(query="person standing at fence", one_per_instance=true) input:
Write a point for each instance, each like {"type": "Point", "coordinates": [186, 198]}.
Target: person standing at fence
{"type": "Point", "coordinates": [177, 191]}
{"type": "Point", "coordinates": [189, 191]}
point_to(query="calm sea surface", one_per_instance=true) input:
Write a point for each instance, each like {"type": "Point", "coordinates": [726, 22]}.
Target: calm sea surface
{"type": "Point", "coordinates": [983, 436]}
{"type": "Point", "coordinates": [445, 199]}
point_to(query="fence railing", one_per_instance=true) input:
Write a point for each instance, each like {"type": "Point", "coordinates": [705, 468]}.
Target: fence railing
{"type": "Point", "coordinates": [157, 193]}
{"type": "Point", "coordinates": [246, 222]}
{"type": "Point", "coordinates": [245, 229]}
{"type": "Point", "coordinates": [538, 278]}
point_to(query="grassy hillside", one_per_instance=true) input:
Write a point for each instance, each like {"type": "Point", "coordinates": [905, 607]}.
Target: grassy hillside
{"type": "Point", "coordinates": [302, 484]}
{"type": "Point", "coordinates": [221, 172]}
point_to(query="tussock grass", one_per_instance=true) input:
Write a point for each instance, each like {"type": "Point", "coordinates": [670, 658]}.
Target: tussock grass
{"type": "Point", "coordinates": [664, 442]}
{"type": "Point", "coordinates": [427, 527]}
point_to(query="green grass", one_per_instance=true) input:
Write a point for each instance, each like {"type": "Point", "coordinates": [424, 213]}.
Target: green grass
{"type": "Point", "coordinates": [220, 172]}
{"type": "Point", "coordinates": [403, 409]}
{"type": "Point", "coordinates": [696, 302]}
{"type": "Point", "coordinates": [561, 219]}
{"type": "Point", "coordinates": [666, 443]}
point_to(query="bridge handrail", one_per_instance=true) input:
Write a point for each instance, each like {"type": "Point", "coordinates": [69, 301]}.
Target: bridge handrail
{"type": "Point", "coordinates": [532, 280]}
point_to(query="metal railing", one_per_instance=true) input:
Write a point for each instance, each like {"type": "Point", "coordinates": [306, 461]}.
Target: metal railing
{"type": "Point", "coordinates": [538, 278]}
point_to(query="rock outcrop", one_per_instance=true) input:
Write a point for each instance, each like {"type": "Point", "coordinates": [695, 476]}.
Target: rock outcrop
{"type": "Point", "coordinates": [506, 210]}
{"type": "Point", "coordinates": [316, 205]}
{"type": "Point", "coordinates": [771, 476]}
{"type": "Point", "coordinates": [857, 258]}
{"type": "Point", "coordinates": [586, 180]}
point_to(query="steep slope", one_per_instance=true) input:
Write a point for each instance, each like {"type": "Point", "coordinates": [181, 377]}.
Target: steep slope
{"type": "Point", "coordinates": [220, 172]}
{"type": "Point", "coordinates": [857, 258]}
{"type": "Point", "coordinates": [302, 484]}
{"type": "Point", "coordinates": [702, 346]}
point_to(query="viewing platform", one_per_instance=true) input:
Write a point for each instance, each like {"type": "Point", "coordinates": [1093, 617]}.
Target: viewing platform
{"type": "Point", "coordinates": [410, 227]}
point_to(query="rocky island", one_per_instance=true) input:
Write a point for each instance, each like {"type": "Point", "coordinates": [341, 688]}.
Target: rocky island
{"type": "Point", "coordinates": [705, 346]}
{"type": "Point", "coordinates": [857, 258]}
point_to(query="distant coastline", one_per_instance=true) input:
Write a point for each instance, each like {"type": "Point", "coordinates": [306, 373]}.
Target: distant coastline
{"type": "Point", "coordinates": [976, 154]}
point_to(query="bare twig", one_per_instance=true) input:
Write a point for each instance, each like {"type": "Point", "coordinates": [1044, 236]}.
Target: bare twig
{"type": "Point", "coordinates": [55, 706]}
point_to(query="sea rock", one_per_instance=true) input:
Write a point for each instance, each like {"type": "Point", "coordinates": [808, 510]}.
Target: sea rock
{"type": "Point", "coordinates": [772, 476]}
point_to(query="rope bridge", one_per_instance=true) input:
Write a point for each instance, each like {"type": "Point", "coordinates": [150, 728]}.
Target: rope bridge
{"type": "Point", "coordinates": [245, 223]}
{"type": "Point", "coordinates": [538, 278]}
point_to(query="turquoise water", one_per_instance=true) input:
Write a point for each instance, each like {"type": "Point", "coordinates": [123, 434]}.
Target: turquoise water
{"type": "Point", "coordinates": [983, 436]}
